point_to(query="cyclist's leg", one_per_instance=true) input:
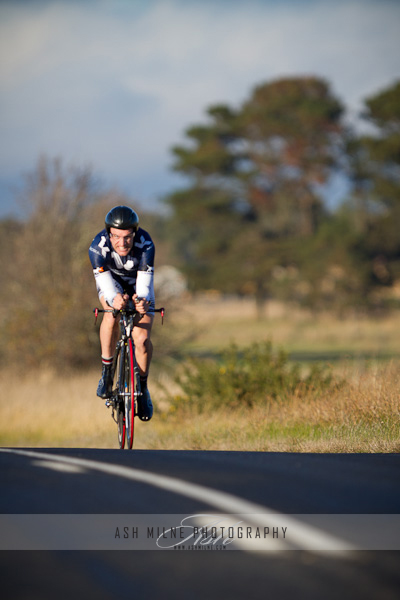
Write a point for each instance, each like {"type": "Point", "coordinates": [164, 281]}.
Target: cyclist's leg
{"type": "Point", "coordinates": [109, 331]}
{"type": "Point", "coordinates": [144, 353]}
{"type": "Point", "coordinates": [143, 343]}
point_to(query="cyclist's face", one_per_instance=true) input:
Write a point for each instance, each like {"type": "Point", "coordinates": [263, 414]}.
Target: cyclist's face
{"type": "Point", "coordinates": [121, 240]}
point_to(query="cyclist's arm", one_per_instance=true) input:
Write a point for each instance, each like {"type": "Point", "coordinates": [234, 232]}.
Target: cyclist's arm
{"type": "Point", "coordinates": [106, 286]}
{"type": "Point", "coordinates": [145, 274]}
{"type": "Point", "coordinates": [145, 285]}
{"type": "Point", "coordinates": [99, 253]}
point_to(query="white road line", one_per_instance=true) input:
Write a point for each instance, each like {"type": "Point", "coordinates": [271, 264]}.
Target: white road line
{"type": "Point", "coordinates": [302, 535]}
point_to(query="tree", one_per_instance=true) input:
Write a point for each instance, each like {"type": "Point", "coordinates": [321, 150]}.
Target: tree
{"type": "Point", "coordinates": [254, 174]}
{"type": "Point", "coordinates": [46, 282]}
{"type": "Point", "coordinates": [375, 170]}
{"type": "Point", "coordinates": [292, 133]}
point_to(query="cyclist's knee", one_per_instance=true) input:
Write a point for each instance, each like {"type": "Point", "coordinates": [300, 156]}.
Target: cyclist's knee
{"type": "Point", "coordinates": [110, 321]}
{"type": "Point", "coordinates": [142, 338]}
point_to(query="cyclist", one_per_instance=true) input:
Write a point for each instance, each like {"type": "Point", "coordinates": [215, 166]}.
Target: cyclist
{"type": "Point", "coordinates": [122, 257]}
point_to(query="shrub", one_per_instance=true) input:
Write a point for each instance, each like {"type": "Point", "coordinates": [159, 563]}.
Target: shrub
{"type": "Point", "coordinates": [246, 377]}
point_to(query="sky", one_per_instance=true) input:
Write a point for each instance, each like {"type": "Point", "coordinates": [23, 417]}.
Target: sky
{"type": "Point", "coordinates": [113, 84]}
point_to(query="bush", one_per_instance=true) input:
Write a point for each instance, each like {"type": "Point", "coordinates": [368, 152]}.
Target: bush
{"type": "Point", "coordinates": [48, 291]}
{"type": "Point", "coordinates": [246, 377]}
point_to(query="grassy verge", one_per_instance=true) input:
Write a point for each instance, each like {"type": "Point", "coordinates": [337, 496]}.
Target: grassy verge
{"type": "Point", "coordinates": [363, 416]}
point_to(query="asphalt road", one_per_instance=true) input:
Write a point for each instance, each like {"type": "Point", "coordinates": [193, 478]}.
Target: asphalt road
{"type": "Point", "coordinates": [143, 483]}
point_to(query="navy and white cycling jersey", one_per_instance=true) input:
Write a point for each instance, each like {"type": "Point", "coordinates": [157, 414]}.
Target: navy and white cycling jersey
{"type": "Point", "coordinates": [115, 274]}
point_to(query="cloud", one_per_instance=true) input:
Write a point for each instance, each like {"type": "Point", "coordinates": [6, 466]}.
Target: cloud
{"type": "Point", "coordinates": [116, 83]}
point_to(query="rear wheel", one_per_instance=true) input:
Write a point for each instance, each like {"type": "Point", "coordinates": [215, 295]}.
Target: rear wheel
{"type": "Point", "coordinates": [118, 377]}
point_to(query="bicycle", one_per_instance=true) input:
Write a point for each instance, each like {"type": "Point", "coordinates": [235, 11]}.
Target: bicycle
{"type": "Point", "coordinates": [126, 390]}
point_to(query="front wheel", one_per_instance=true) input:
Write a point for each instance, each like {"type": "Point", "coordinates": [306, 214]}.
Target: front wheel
{"type": "Point", "coordinates": [118, 377]}
{"type": "Point", "coordinates": [121, 426]}
{"type": "Point", "coordinates": [129, 393]}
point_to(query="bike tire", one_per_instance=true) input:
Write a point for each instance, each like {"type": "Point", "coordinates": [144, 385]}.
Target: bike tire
{"type": "Point", "coordinates": [129, 389]}
{"type": "Point", "coordinates": [119, 406]}
{"type": "Point", "coordinates": [121, 427]}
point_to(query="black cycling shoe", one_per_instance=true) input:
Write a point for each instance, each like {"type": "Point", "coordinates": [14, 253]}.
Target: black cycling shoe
{"type": "Point", "coordinates": [145, 406]}
{"type": "Point", "coordinates": [105, 384]}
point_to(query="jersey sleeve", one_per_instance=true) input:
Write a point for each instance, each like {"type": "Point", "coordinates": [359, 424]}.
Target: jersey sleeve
{"type": "Point", "coordinates": [99, 251]}
{"type": "Point", "coordinates": [105, 282]}
{"type": "Point", "coordinates": [146, 245]}
{"type": "Point", "coordinates": [145, 274]}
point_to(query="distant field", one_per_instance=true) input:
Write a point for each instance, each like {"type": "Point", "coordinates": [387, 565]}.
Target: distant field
{"type": "Point", "coordinates": [298, 331]}
{"type": "Point", "coordinates": [61, 409]}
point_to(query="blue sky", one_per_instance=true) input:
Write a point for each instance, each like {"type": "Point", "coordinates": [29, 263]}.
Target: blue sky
{"type": "Point", "coordinates": [114, 83]}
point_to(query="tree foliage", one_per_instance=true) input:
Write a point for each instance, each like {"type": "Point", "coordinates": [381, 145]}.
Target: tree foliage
{"type": "Point", "coordinates": [254, 174]}
{"type": "Point", "coordinates": [46, 285]}
{"type": "Point", "coordinates": [375, 161]}
{"type": "Point", "coordinates": [253, 219]}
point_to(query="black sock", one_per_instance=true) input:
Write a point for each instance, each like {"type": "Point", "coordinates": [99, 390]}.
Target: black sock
{"type": "Point", "coordinates": [143, 382]}
{"type": "Point", "coordinates": [107, 361]}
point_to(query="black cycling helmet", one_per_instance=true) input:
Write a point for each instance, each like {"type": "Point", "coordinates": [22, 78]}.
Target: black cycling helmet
{"type": "Point", "coordinates": [122, 217]}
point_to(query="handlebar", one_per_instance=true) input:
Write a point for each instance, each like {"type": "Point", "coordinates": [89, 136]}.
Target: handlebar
{"type": "Point", "coordinates": [127, 311]}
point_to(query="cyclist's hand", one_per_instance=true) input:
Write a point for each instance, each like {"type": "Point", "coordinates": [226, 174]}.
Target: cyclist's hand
{"type": "Point", "coordinates": [120, 301]}
{"type": "Point", "coordinates": [141, 304]}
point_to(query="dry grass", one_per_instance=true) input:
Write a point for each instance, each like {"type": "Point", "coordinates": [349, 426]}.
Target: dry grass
{"type": "Point", "coordinates": [296, 330]}
{"type": "Point", "coordinates": [364, 416]}
{"type": "Point", "coordinates": [62, 410]}
{"type": "Point", "coordinates": [50, 411]}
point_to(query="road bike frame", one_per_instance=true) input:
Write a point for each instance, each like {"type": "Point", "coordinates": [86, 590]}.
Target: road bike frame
{"type": "Point", "coordinates": [126, 389]}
